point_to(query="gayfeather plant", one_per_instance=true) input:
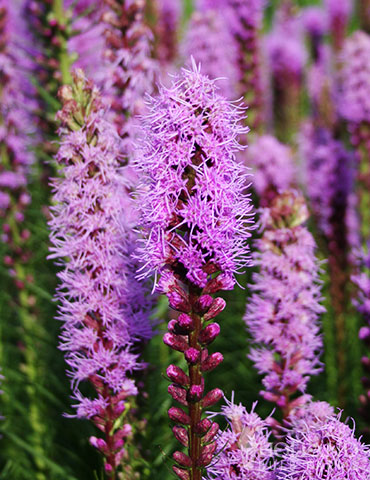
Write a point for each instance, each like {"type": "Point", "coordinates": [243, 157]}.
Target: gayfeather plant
{"type": "Point", "coordinates": [362, 302]}
{"type": "Point", "coordinates": [244, 449]}
{"type": "Point", "coordinates": [91, 241]}
{"type": "Point", "coordinates": [355, 75]}
{"type": "Point", "coordinates": [195, 223]}
{"type": "Point", "coordinates": [315, 25]}
{"type": "Point", "coordinates": [286, 63]}
{"type": "Point", "coordinates": [338, 12]}
{"type": "Point", "coordinates": [168, 15]}
{"type": "Point", "coordinates": [209, 41]}
{"type": "Point", "coordinates": [282, 313]}
{"type": "Point", "coordinates": [273, 166]}
{"type": "Point", "coordinates": [324, 449]}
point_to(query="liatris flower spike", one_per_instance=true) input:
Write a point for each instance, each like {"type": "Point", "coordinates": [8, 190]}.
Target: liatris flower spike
{"type": "Point", "coordinates": [323, 448]}
{"type": "Point", "coordinates": [338, 12]}
{"type": "Point", "coordinates": [88, 229]}
{"type": "Point", "coordinates": [195, 219]}
{"type": "Point", "coordinates": [283, 310]}
{"type": "Point", "coordinates": [244, 450]}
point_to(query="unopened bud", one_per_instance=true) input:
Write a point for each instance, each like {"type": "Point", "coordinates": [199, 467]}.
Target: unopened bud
{"type": "Point", "coordinates": [192, 355]}
{"type": "Point", "coordinates": [177, 375]}
{"type": "Point", "coordinates": [178, 415]}
{"type": "Point", "coordinates": [175, 341]}
{"type": "Point", "coordinates": [212, 397]}
{"type": "Point", "coordinates": [182, 459]}
{"type": "Point", "coordinates": [195, 393]}
{"type": "Point", "coordinates": [185, 322]}
{"type": "Point", "coordinates": [202, 427]}
{"type": "Point", "coordinates": [211, 362]}
{"type": "Point", "coordinates": [203, 303]}
{"type": "Point", "coordinates": [179, 302]}
{"type": "Point", "coordinates": [207, 455]}
{"type": "Point", "coordinates": [108, 468]}
{"type": "Point", "coordinates": [217, 306]}
{"type": "Point", "coordinates": [212, 432]}
{"type": "Point", "coordinates": [222, 282]}
{"type": "Point", "coordinates": [182, 474]}
{"type": "Point", "coordinates": [209, 333]}
{"type": "Point", "coordinates": [178, 394]}
{"type": "Point", "coordinates": [181, 435]}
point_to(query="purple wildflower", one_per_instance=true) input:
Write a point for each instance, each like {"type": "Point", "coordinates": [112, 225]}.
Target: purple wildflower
{"type": "Point", "coordinates": [168, 13]}
{"type": "Point", "coordinates": [209, 41]}
{"type": "Point", "coordinates": [322, 450]}
{"type": "Point", "coordinates": [244, 450]}
{"type": "Point", "coordinates": [338, 12]}
{"type": "Point", "coordinates": [89, 228]}
{"type": "Point", "coordinates": [362, 302]}
{"type": "Point", "coordinates": [286, 62]}
{"type": "Point", "coordinates": [283, 310]}
{"type": "Point", "coordinates": [315, 24]}
{"type": "Point", "coordinates": [195, 218]}
{"type": "Point", "coordinates": [273, 166]}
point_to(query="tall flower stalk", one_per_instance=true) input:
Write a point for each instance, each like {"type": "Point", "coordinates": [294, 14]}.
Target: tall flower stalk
{"type": "Point", "coordinates": [338, 13]}
{"type": "Point", "coordinates": [195, 218]}
{"type": "Point", "coordinates": [282, 314]}
{"type": "Point", "coordinates": [91, 241]}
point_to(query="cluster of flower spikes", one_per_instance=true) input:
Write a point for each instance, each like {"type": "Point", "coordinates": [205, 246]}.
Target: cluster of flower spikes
{"type": "Point", "coordinates": [16, 130]}
{"type": "Point", "coordinates": [195, 221]}
{"type": "Point", "coordinates": [337, 13]}
{"type": "Point", "coordinates": [210, 43]}
{"type": "Point", "coordinates": [90, 240]}
{"type": "Point", "coordinates": [273, 167]}
{"type": "Point", "coordinates": [245, 451]}
{"type": "Point", "coordinates": [168, 14]}
{"type": "Point", "coordinates": [282, 313]}
{"type": "Point", "coordinates": [362, 302]}
{"type": "Point", "coordinates": [320, 446]}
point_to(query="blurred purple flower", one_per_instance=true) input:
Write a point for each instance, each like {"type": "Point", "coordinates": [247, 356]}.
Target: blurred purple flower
{"type": "Point", "coordinates": [273, 167]}
{"type": "Point", "coordinates": [166, 29]}
{"type": "Point", "coordinates": [209, 41]}
{"type": "Point", "coordinates": [282, 313]}
{"type": "Point", "coordinates": [338, 12]}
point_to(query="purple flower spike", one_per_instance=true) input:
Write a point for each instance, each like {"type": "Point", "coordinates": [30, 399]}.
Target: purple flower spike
{"type": "Point", "coordinates": [168, 15]}
{"type": "Point", "coordinates": [195, 217]}
{"type": "Point", "coordinates": [244, 450]}
{"type": "Point", "coordinates": [283, 310]}
{"type": "Point", "coordinates": [338, 12]}
{"type": "Point", "coordinates": [210, 43]}
{"type": "Point", "coordinates": [273, 167]}
{"type": "Point", "coordinates": [324, 449]}
{"type": "Point", "coordinates": [91, 238]}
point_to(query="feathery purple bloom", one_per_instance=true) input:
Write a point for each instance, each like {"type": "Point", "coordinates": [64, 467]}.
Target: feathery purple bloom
{"type": "Point", "coordinates": [209, 41]}
{"type": "Point", "coordinates": [273, 167]}
{"type": "Point", "coordinates": [195, 216]}
{"type": "Point", "coordinates": [283, 310]}
{"type": "Point", "coordinates": [90, 228]}
{"type": "Point", "coordinates": [325, 449]}
{"type": "Point", "coordinates": [244, 449]}
{"type": "Point", "coordinates": [195, 213]}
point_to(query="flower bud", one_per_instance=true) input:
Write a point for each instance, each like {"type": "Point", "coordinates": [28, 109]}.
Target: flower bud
{"type": "Point", "coordinates": [222, 282]}
{"type": "Point", "coordinates": [217, 306]}
{"type": "Point", "coordinates": [202, 427]}
{"type": "Point", "coordinates": [202, 304]}
{"type": "Point", "coordinates": [209, 333]}
{"type": "Point", "coordinates": [178, 415]}
{"type": "Point", "coordinates": [185, 322]}
{"type": "Point", "coordinates": [177, 375]}
{"type": "Point", "coordinates": [207, 454]}
{"type": "Point", "coordinates": [212, 397]}
{"type": "Point", "coordinates": [195, 393]}
{"type": "Point", "coordinates": [182, 459]}
{"type": "Point", "coordinates": [108, 468]}
{"type": "Point", "coordinates": [175, 341]}
{"type": "Point", "coordinates": [192, 355]}
{"type": "Point", "coordinates": [182, 474]}
{"type": "Point", "coordinates": [179, 302]}
{"type": "Point", "coordinates": [178, 394]}
{"type": "Point", "coordinates": [211, 362]}
{"type": "Point", "coordinates": [181, 435]}
{"type": "Point", "coordinates": [212, 432]}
